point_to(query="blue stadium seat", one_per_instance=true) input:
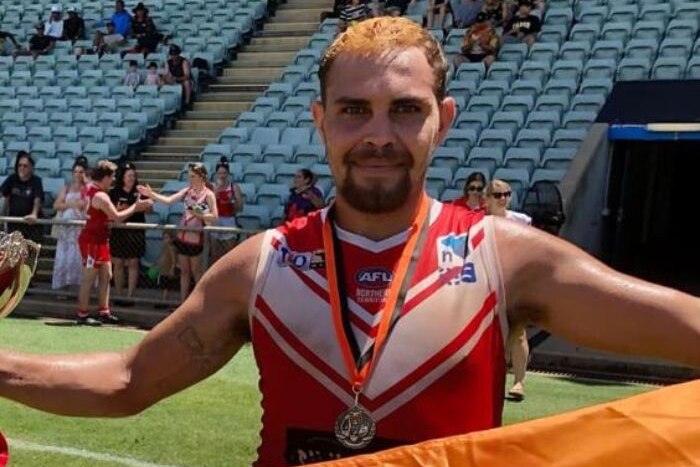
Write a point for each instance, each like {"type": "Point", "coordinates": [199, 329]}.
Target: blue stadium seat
{"type": "Point", "coordinates": [669, 68]}
{"type": "Point", "coordinates": [682, 28]}
{"type": "Point", "coordinates": [503, 71]}
{"type": "Point", "coordinates": [568, 138]}
{"type": "Point", "coordinates": [623, 13]}
{"type": "Point", "coordinates": [280, 120]}
{"type": "Point", "coordinates": [653, 30]}
{"type": "Point", "coordinates": [598, 69]}
{"type": "Point", "coordinates": [12, 147]}
{"type": "Point", "coordinates": [548, 175]}
{"type": "Point", "coordinates": [463, 173]}
{"type": "Point", "coordinates": [592, 102]}
{"type": "Point", "coordinates": [633, 69]}
{"type": "Point", "coordinates": [496, 138]}
{"type": "Point", "coordinates": [544, 51]}
{"type": "Point", "coordinates": [522, 104]}
{"type": "Point", "coordinates": [264, 136]}
{"type": "Point", "coordinates": [608, 50]}
{"type": "Point", "coordinates": [567, 69]}
{"type": "Point", "coordinates": [295, 136]}
{"type": "Point", "coordinates": [271, 195]}
{"type": "Point", "coordinates": [462, 137]}
{"type": "Point", "coordinates": [284, 173]}
{"type": "Point", "coordinates": [566, 87]}
{"type": "Point", "coordinates": [63, 134]}
{"type": "Point", "coordinates": [527, 158]}
{"type": "Point", "coordinates": [246, 153]}
{"type": "Point", "coordinates": [493, 88]}
{"type": "Point", "coordinates": [449, 157]}
{"type": "Point", "coordinates": [279, 90]}
{"type": "Point", "coordinates": [578, 119]}
{"type": "Point", "coordinates": [253, 217]}
{"type": "Point", "coordinates": [558, 158]}
{"type": "Point", "coordinates": [553, 33]}
{"type": "Point", "coordinates": [616, 32]}
{"type": "Point", "coordinates": [553, 102]}
{"type": "Point", "coordinates": [488, 104]}
{"type": "Point", "coordinates": [563, 16]}
{"type": "Point", "coordinates": [46, 168]}
{"type": "Point", "coordinates": [543, 119]}
{"type": "Point", "coordinates": [308, 155]}
{"type": "Point", "coordinates": [693, 70]}
{"type": "Point", "coordinates": [513, 52]}
{"type": "Point", "coordinates": [277, 154]}
{"type": "Point", "coordinates": [676, 47]}
{"type": "Point", "coordinates": [537, 71]}
{"type": "Point", "coordinates": [464, 88]}
{"type": "Point", "coordinates": [657, 12]}
{"type": "Point", "coordinates": [526, 87]}
{"type": "Point", "coordinates": [505, 120]}
{"type": "Point", "coordinates": [584, 33]}
{"type": "Point", "coordinates": [539, 138]}
{"type": "Point", "coordinates": [487, 158]}
{"type": "Point", "coordinates": [438, 178]}
{"type": "Point", "coordinates": [233, 136]}
{"type": "Point", "coordinates": [39, 134]}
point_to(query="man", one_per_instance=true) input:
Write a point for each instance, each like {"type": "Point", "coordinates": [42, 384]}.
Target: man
{"type": "Point", "coordinates": [465, 11]}
{"type": "Point", "coordinates": [441, 365]}
{"type": "Point", "coordinates": [523, 26]}
{"type": "Point", "coordinates": [39, 43]}
{"type": "Point", "coordinates": [178, 71]}
{"type": "Point", "coordinates": [24, 195]}
{"type": "Point", "coordinates": [107, 43]}
{"type": "Point", "coordinates": [121, 19]}
{"type": "Point", "coordinates": [54, 26]}
{"type": "Point", "coordinates": [479, 44]}
{"type": "Point", "coordinates": [74, 26]}
{"type": "Point", "coordinates": [4, 35]}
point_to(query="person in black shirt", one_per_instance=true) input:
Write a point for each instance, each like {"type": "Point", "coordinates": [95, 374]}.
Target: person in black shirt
{"type": "Point", "coordinates": [7, 35]}
{"type": "Point", "coordinates": [39, 43]}
{"type": "Point", "coordinates": [127, 245]}
{"type": "Point", "coordinates": [73, 26]}
{"type": "Point", "coordinates": [24, 195]}
{"type": "Point", "coordinates": [177, 71]}
{"type": "Point", "coordinates": [143, 29]}
{"type": "Point", "coordinates": [524, 26]}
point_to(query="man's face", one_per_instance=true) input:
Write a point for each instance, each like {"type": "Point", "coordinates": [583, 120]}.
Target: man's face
{"type": "Point", "coordinates": [380, 123]}
{"type": "Point", "coordinates": [106, 182]}
{"type": "Point", "coordinates": [119, 6]}
{"type": "Point", "coordinates": [524, 10]}
{"type": "Point", "coordinates": [24, 169]}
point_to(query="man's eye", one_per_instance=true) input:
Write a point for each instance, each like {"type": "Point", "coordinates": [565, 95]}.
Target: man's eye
{"type": "Point", "coordinates": [354, 110]}
{"type": "Point", "coordinates": [406, 108]}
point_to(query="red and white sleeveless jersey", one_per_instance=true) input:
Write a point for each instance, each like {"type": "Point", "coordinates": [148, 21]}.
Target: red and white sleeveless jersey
{"type": "Point", "coordinates": [441, 370]}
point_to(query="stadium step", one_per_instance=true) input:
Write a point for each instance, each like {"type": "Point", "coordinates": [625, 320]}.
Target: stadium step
{"type": "Point", "coordinates": [186, 141]}
{"type": "Point", "coordinates": [157, 149]}
{"type": "Point", "coordinates": [259, 74]}
{"type": "Point", "coordinates": [304, 4]}
{"type": "Point", "coordinates": [223, 106]}
{"type": "Point", "coordinates": [148, 175]}
{"type": "Point", "coordinates": [209, 125]}
{"type": "Point", "coordinates": [227, 97]}
{"type": "Point", "coordinates": [298, 15]}
{"type": "Point", "coordinates": [162, 166]}
{"type": "Point", "coordinates": [305, 27]}
{"type": "Point", "coordinates": [263, 59]}
{"type": "Point", "coordinates": [253, 83]}
{"type": "Point", "coordinates": [298, 42]}
{"type": "Point", "coordinates": [189, 133]}
{"type": "Point", "coordinates": [211, 115]}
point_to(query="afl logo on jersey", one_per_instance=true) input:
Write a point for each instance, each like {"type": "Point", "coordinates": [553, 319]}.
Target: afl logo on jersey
{"type": "Point", "coordinates": [373, 278]}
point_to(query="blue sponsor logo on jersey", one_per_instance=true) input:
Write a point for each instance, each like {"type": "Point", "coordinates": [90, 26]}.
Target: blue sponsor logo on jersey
{"type": "Point", "coordinates": [452, 251]}
{"type": "Point", "coordinates": [301, 260]}
{"type": "Point", "coordinates": [374, 278]}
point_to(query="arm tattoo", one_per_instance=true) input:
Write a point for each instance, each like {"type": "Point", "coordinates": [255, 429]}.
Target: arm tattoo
{"type": "Point", "coordinates": [200, 355]}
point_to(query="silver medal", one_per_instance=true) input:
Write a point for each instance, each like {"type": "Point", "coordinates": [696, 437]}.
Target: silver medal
{"type": "Point", "coordinates": [355, 428]}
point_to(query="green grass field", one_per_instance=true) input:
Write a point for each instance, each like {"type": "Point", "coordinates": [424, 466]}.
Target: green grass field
{"type": "Point", "coordinates": [215, 423]}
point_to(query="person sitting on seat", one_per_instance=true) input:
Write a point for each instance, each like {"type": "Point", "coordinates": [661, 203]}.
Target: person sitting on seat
{"type": "Point", "coordinates": [479, 44]}
{"type": "Point", "coordinates": [178, 71]}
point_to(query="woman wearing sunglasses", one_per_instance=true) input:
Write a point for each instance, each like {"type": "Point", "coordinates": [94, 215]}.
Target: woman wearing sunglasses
{"type": "Point", "coordinates": [473, 198]}
{"type": "Point", "coordinates": [498, 195]}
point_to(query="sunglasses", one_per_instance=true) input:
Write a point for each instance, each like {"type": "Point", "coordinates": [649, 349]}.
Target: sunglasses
{"type": "Point", "coordinates": [505, 194]}
{"type": "Point", "coordinates": [477, 188]}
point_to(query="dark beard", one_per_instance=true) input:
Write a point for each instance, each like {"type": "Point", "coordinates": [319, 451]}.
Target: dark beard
{"type": "Point", "coordinates": [376, 199]}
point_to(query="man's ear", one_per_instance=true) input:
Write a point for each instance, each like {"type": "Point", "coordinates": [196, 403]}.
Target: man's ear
{"type": "Point", "coordinates": [448, 111]}
{"type": "Point", "coordinates": [318, 112]}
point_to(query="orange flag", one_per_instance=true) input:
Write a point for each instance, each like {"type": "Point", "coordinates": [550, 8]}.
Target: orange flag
{"type": "Point", "coordinates": [655, 429]}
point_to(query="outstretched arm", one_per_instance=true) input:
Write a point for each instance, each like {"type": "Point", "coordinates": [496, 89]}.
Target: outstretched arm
{"type": "Point", "coordinates": [553, 284]}
{"type": "Point", "coordinates": [202, 335]}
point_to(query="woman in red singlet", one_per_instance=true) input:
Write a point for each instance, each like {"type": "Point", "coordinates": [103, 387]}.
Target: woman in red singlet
{"type": "Point", "coordinates": [473, 198]}
{"type": "Point", "coordinates": [229, 202]}
{"type": "Point", "coordinates": [94, 241]}
{"type": "Point", "coordinates": [200, 209]}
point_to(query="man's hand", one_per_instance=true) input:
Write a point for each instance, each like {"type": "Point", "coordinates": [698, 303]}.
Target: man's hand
{"type": "Point", "coordinates": [30, 218]}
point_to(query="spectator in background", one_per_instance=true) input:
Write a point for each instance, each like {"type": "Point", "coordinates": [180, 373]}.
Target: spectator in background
{"type": "Point", "coordinates": [152, 76]}
{"type": "Point", "coordinates": [133, 75]}
{"type": "Point", "coordinates": [143, 29]}
{"type": "Point", "coordinates": [523, 26]}
{"type": "Point", "coordinates": [70, 205]}
{"type": "Point", "coordinates": [497, 12]}
{"type": "Point", "coordinates": [200, 210]}
{"type": "Point", "coordinates": [352, 12]}
{"type": "Point", "coordinates": [39, 43]}
{"type": "Point", "coordinates": [178, 71]}
{"type": "Point", "coordinates": [4, 35]}
{"type": "Point", "coordinates": [94, 242]}
{"type": "Point", "coordinates": [304, 197]}
{"type": "Point", "coordinates": [439, 8]}
{"type": "Point", "coordinates": [53, 28]}
{"type": "Point", "coordinates": [127, 245]}
{"type": "Point", "coordinates": [73, 26]}
{"type": "Point", "coordinates": [167, 267]}
{"type": "Point", "coordinates": [498, 195]}
{"type": "Point", "coordinates": [121, 19]}
{"type": "Point", "coordinates": [24, 195]}
{"type": "Point", "coordinates": [229, 202]}
{"type": "Point", "coordinates": [465, 11]}
{"type": "Point", "coordinates": [479, 44]}
{"type": "Point", "coordinates": [109, 42]}
{"type": "Point", "coordinates": [473, 198]}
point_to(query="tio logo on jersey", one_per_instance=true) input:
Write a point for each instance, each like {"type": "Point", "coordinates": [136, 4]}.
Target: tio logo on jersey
{"type": "Point", "coordinates": [452, 253]}
{"type": "Point", "coordinates": [373, 278]}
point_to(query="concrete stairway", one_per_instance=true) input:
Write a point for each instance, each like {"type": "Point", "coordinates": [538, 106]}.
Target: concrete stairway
{"type": "Point", "coordinates": [257, 64]}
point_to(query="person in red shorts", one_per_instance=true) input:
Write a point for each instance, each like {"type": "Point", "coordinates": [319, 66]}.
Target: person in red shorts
{"type": "Point", "coordinates": [94, 242]}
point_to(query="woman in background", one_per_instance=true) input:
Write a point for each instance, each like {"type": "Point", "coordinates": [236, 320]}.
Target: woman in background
{"type": "Point", "coordinates": [473, 198]}
{"type": "Point", "coordinates": [127, 245]}
{"type": "Point", "coordinates": [229, 202]}
{"type": "Point", "coordinates": [200, 210]}
{"type": "Point", "coordinates": [304, 197]}
{"type": "Point", "coordinates": [498, 196]}
{"type": "Point", "coordinates": [70, 205]}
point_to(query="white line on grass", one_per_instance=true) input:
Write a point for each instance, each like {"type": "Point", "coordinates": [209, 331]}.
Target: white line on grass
{"type": "Point", "coordinates": [75, 452]}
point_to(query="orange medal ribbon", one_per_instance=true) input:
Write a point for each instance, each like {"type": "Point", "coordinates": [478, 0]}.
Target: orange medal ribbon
{"type": "Point", "coordinates": [359, 376]}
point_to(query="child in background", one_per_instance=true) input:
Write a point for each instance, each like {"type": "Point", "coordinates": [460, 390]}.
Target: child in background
{"type": "Point", "coordinates": [167, 263]}
{"type": "Point", "coordinates": [133, 76]}
{"type": "Point", "coordinates": [152, 77]}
